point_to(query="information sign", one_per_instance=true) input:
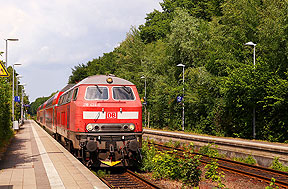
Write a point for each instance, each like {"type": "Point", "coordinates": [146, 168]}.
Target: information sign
{"type": "Point", "coordinates": [16, 98]}
{"type": "Point", "coordinates": [179, 98]}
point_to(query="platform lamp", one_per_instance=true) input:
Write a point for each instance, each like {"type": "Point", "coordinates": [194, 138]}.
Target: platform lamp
{"type": "Point", "coordinates": [18, 77]}
{"type": "Point", "coordinates": [22, 103]}
{"type": "Point", "coordinates": [183, 111]}
{"type": "Point", "coordinates": [145, 105]}
{"type": "Point", "coordinates": [16, 64]}
{"type": "Point", "coordinates": [254, 60]}
{"type": "Point", "coordinates": [6, 63]}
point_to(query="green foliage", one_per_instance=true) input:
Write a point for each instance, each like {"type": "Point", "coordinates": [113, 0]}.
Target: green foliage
{"type": "Point", "coordinates": [277, 165]}
{"type": "Point", "coordinates": [5, 112]}
{"type": "Point", "coordinates": [213, 174]}
{"type": "Point", "coordinates": [191, 173]}
{"type": "Point", "coordinates": [174, 144]}
{"type": "Point", "coordinates": [272, 184]}
{"type": "Point", "coordinates": [249, 160]}
{"type": "Point", "coordinates": [34, 105]}
{"type": "Point", "coordinates": [157, 25]}
{"type": "Point", "coordinates": [212, 167]}
{"type": "Point", "coordinates": [6, 84]}
{"type": "Point", "coordinates": [210, 150]}
{"type": "Point", "coordinates": [102, 173]}
{"type": "Point", "coordinates": [168, 165]}
{"type": "Point", "coordinates": [148, 153]}
{"type": "Point", "coordinates": [78, 73]}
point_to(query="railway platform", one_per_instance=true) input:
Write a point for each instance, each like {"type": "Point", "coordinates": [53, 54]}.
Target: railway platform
{"type": "Point", "coordinates": [35, 160]}
{"type": "Point", "coordinates": [262, 152]}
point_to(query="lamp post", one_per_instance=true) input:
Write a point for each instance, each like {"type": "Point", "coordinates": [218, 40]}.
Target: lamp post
{"type": "Point", "coordinates": [183, 111]}
{"type": "Point", "coordinates": [254, 60]}
{"type": "Point", "coordinates": [17, 78]}
{"type": "Point", "coordinates": [6, 63]}
{"type": "Point", "coordinates": [22, 120]}
{"type": "Point", "coordinates": [16, 64]}
{"type": "Point", "coordinates": [145, 105]}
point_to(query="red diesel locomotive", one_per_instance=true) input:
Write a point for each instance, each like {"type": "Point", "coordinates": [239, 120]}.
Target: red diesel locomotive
{"type": "Point", "coordinates": [99, 119]}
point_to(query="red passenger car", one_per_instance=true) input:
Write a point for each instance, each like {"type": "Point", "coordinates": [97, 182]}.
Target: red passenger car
{"type": "Point", "coordinates": [99, 120]}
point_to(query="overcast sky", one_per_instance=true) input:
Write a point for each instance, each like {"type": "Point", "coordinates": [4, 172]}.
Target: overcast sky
{"type": "Point", "coordinates": [56, 35]}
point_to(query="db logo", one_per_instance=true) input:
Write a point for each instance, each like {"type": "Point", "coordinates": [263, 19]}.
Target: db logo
{"type": "Point", "coordinates": [111, 115]}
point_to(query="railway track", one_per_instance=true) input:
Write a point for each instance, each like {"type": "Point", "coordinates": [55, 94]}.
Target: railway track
{"type": "Point", "coordinates": [258, 172]}
{"type": "Point", "coordinates": [127, 179]}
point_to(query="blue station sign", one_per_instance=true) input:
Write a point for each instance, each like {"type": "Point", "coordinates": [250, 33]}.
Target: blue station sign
{"type": "Point", "coordinates": [16, 98]}
{"type": "Point", "coordinates": [179, 98]}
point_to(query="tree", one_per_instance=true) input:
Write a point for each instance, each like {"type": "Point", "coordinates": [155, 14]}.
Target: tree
{"type": "Point", "coordinates": [157, 25]}
{"type": "Point", "coordinates": [189, 39]}
{"type": "Point", "coordinates": [39, 101]}
{"type": "Point", "coordinates": [78, 73]}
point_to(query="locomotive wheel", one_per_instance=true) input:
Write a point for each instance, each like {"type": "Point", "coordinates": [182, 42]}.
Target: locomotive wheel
{"type": "Point", "coordinates": [57, 137]}
{"type": "Point", "coordinates": [69, 146]}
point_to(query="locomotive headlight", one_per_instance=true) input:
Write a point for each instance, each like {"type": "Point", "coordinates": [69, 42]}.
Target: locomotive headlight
{"type": "Point", "coordinates": [96, 127]}
{"type": "Point", "coordinates": [89, 127]}
{"type": "Point", "coordinates": [109, 80]}
{"type": "Point", "coordinates": [131, 127]}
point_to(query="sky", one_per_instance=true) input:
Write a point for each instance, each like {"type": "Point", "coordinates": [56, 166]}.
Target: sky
{"type": "Point", "coordinates": [56, 35]}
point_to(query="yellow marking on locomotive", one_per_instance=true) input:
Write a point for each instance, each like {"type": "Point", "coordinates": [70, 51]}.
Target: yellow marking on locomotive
{"type": "Point", "coordinates": [111, 163]}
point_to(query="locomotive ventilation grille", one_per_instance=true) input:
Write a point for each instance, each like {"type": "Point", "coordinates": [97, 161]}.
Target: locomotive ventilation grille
{"type": "Point", "coordinates": [111, 127]}
{"type": "Point", "coordinates": [108, 138]}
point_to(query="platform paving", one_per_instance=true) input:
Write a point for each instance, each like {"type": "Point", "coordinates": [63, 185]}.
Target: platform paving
{"type": "Point", "coordinates": [35, 160]}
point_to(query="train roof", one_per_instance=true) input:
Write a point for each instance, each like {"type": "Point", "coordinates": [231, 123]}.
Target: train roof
{"type": "Point", "coordinates": [102, 79]}
{"type": "Point", "coordinates": [67, 87]}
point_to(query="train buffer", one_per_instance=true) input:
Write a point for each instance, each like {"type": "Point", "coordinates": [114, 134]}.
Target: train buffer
{"type": "Point", "coordinates": [35, 160]}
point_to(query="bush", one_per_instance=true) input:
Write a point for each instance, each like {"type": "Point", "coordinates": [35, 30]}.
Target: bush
{"type": "Point", "coordinates": [212, 167]}
{"type": "Point", "coordinates": [170, 165]}
{"type": "Point", "coordinates": [191, 172]}
{"type": "Point", "coordinates": [148, 153]}
{"type": "Point", "coordinates": [166, 165]}
{"type": "Point", "coordinates": [5, 112]}
{"type": "Point", "coordinates": [209, 150]}
{"type": "Point", "coordinates": [277, 165]}
{"type": "Point", "coordinates": [249, 160]}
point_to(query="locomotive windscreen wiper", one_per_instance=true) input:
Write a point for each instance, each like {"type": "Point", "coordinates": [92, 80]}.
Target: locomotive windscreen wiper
{"type": "Point", "coordinates": [99, 89]}
{"type": "Point", "coordinates": [128, 90]}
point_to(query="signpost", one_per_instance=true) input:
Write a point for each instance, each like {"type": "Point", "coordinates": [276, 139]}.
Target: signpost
{"type": "Point", "coordinates": [3, 71]}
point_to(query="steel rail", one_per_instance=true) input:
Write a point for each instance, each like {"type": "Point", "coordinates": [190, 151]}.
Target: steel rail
{"type": "Point", "coordinates": [128, 179]}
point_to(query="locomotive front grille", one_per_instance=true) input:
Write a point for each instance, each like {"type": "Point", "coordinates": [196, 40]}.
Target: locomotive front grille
{"type": "Point", "coordinates": [117, 138]}
{"type": "Point", "coordinates": [111, 128]}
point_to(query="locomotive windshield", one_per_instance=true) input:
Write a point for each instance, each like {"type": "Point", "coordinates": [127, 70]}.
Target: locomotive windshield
{"type": "Point", "coordinates": [123, 93]}
{"type": "Point", "coordinates": [96, 93]}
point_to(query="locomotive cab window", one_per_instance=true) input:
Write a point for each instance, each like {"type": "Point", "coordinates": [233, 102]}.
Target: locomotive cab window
{"type": "Point", "coordinates": [123, 93]}
{"type": "Point", "coordinates": [69, 96]}
{"type": "Point", "coordinates": [75, 94]}
{"type": "Point", "coordinates": [96, 93]}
